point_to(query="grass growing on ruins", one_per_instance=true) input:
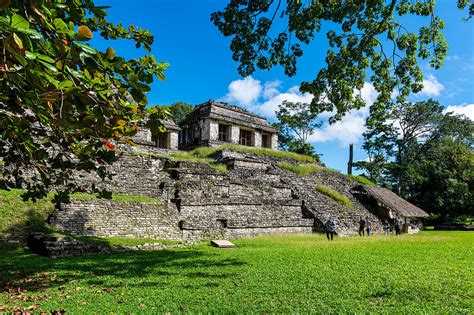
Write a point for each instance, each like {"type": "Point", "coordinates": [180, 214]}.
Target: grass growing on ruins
{"type": "Point", "coordinates": [302, 169]}
{"type": "Point", "coordinates": [207, 151]}
{"type": "Point", "coordinates": [362, 180]}
{"type": "Point", "coordinates": [325, 190]}
{"type": "Point", "coordinates": [426, 273]}
{"type": "Point", "coordinates": [18, 217]}
{"type": "Point", "coordinates": [184, 156]}
{"type": "Point", "coordinates": [219, 167]}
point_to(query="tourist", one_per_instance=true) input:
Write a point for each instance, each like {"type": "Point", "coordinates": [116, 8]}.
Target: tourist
{"type": "Point", "coordinates": [386, 227]}
{"type": "Point", "coordinates": [330, 228]}
{"type": "Point", "coordinates": [361, 227]}
{"type": "Point", "coordinates": [368, 225]}
{"type": "Point", "coordinates": [398, 226]}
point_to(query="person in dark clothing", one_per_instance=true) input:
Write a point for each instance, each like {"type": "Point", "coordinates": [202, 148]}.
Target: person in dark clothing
{"type": "Point", "coordinates": [398, 226]}
{"type": "Point", "coordinates": [330, 228]}
{"type": "Point", "coordinates": [362, 227]}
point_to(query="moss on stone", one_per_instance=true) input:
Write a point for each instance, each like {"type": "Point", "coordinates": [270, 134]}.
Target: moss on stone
{"type": "Point", "coordinates": [302, 169]}
{"type": "Point", "coordinates": [362, 180]}
{"type": "Point", "coordinates": [207, 151]}
{"type": "Point", "coordinates": [325, 190]}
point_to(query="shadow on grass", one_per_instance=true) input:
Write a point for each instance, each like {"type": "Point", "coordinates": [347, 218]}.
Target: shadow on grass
{"type": "Point", "coordinates": [22, 271]}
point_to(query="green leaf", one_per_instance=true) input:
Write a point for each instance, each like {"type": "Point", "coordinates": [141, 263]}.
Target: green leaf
{"type": "Point", "coordinates": [45, 58]}
{"type": "Point", "coordinates": [19, 22]}
{"type": "Point", "coordinates": [32, 33]}
{"type": "Point", "coordinates": [86, 48]}
{"type": "Point", "coordinates": [60, 26]}
{"type": "Point", "coordinates": [18, 41]}
{"type": "Point", "coordinates": [30, 56]}
{"type": "Point", "coordinates": [75, 73]}
{"type": "Point", "coordinates": [49, 66]}
{"type": "Point", "coordinates": [65, 84]}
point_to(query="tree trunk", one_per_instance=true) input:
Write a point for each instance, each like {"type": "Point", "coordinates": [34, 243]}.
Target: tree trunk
{"type": "Point", "coordinates": [351, 155]}
{"type": "Point", "coordinates": [400, 173]}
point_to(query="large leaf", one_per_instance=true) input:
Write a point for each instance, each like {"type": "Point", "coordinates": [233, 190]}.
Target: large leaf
{"type": "Point", "coordinates": [83, 33]}
{"type": "Point", "coordinates": [18, 41]}
{"type": "Point", "coordinates": [86, 48]}
{"type": "Point", "coordinates": [60, 26]}
{"type": "Point", "coordinates": [19, 22]}
{"type": "Point", "coordinates": [32, 33]}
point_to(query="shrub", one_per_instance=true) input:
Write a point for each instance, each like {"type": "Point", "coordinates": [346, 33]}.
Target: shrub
{"type": "Point", "coordinates": [302, 170]}
{"type": "Point", "coordinates": [325, 190]}
{"type": "Point", "coordinates": [362, 180]}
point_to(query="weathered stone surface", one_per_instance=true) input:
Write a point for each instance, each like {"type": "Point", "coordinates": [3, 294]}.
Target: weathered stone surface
{"type": "Point", "coordinates": [62, 246]}
{"type": "Point", "coordinates": [201, 203]}
{"type": "Point", "coordinates": [201, 126]}
{"type": "Point", "coordinates": [222, 244]}
{"type": "Point", "coordinates": [106, 218]}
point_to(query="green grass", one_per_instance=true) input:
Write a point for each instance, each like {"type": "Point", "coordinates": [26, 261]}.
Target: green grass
{"type": "Point", "coordinates": [219, 167]}
{"type": "Point", "coordinates": [302, 169]}
{"type": "Point", "coordinates": [206, 151]}
{"type": "Point", "coordinates": [18, 217]}
{"type": "Point", "coordinates": [426, 273]}
{"type": "Point", "coordinates": [325, 190]}
{"type": "Point", "coordinates": [362, 180]}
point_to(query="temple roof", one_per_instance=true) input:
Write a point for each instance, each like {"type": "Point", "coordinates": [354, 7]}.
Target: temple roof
{"type": "Point", "coordinates": [228, 113]}
{"type": "Point", "coordinates": [393, 202]}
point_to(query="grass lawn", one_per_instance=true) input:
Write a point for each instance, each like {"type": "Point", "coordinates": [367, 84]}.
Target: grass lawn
{"type": "Point", "coordinates": [430, 272]}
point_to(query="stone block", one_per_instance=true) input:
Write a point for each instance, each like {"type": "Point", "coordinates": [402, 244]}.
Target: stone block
{"type": "Point", "coordinates": [222, 244]}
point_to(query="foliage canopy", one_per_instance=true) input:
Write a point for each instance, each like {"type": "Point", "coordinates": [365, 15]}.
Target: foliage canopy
{"type": "Point", "coordinates": [61, 100]}
{"type": "Point", "coordinates": [366, 41]}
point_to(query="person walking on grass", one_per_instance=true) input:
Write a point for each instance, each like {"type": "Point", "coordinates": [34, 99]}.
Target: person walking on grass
{"type": "Point", "coordinates": [368, 225]}
{"type": "Point", "coordinates": [330, 228]}
{"type": "Point", "coordinates": [398, 227]}
{"type": "Point", "coordinates": [361, 227]}
{"type": "Point", "coordinates": [386, 228]}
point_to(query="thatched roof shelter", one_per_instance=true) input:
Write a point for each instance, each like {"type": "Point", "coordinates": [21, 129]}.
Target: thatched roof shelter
{"type": "Point", "coordinates": [390, 201]}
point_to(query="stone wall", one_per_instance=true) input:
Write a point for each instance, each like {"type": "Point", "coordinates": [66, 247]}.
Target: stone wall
{"type": "Point", "coordinates": [105, 218]}
{"type": "Point", "coordinates": [254, 197]}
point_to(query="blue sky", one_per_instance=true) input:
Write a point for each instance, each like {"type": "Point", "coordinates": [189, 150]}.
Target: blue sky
{"type": "Point", "coordinates": [201, 67]}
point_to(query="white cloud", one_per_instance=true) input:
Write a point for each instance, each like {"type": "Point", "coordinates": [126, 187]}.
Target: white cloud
{"type": "Point", "coordinates": [431, 86]}
{"type": "Point", "coordinates": [463, 109]}
{"type": "Point", "coordinates": [453, 58]}
{"type": "Point", "coordinates": [351, 127]}
{"type": "Point", "coordinates": [271, 89]}
{"type": "Point", "coordinates": [265, 99]}
{"type": "Point", "coordinates": [244, 92]}
{"type": "Point", "coordinates": [348, 130]}
{"type": "Point", "coordinates": [270, 106]}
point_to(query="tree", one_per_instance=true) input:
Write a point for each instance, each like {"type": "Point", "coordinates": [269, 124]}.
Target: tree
{"type": "Point", "coordinates": [397, 136]}
{"type": "Point", "coordinates": [180, 110]}
{"type": "Point", "coordinates": [424, 155]}
{"type": "Point", "coordinates": [443, 180]}
{"type": "Point", "coordinates": [364, 37]}
{"type": "Point", "coordinates": [62, 102]}
{"type": "Point", "coordinates": [295, 124]}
